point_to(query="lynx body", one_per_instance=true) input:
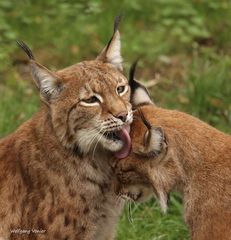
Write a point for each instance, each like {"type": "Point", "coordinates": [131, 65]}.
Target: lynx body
{"type": "Point", "coordinates": [175, 151]}
{"type": "Point", "coordinates": [56, 180]}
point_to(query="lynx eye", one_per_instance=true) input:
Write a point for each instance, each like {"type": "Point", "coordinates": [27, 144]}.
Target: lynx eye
{"type": "Point", "coordinates": [92, 101]}
{"type": "Point", "coordinates": [121, 90]}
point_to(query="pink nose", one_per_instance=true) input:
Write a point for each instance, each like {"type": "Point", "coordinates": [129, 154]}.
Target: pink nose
{"type": "Point", "coordinates": [122, 116]}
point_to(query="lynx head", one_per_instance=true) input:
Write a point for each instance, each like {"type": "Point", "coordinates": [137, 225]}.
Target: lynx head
{"type": "Point", "coordinates": [148, 149]}
{"type": "Point", "coordinates": [88, 102]}
{"type": "Point", "coordinates": [136, 173]}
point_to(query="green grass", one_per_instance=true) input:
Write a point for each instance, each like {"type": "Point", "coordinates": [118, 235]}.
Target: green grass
{"type": "Point", "coordinates": [18, 103]}
{"type": "Point", "coordinates": [186, 42]}
{"type": "Point", "coordinates": [146, 221]}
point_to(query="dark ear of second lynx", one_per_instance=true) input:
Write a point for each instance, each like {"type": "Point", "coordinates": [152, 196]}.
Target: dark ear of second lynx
{"type": "Point", "coordinates": [196, 162]}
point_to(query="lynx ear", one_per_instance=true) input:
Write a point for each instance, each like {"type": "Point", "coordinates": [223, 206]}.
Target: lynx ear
{"type": "Point", "coordinates": [153, 143]}
{"type": "Point", "coordinates": [154, 140]}
{"type": "Point", "coordinates": [112, 52]}
{"type": "Point", "coordinates": [47, 82]}
{"type": "Point", "coordinates": [139, 93]}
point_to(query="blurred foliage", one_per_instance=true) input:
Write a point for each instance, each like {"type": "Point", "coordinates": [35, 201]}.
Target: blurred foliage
{"type": "Point", "coordinates": [62, 25]}
{"type": "Point", "coordinates": [186, 43]}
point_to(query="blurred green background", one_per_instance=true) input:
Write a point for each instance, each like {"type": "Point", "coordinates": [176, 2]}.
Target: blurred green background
{"type": "Point", "coordinates": [185, 45]}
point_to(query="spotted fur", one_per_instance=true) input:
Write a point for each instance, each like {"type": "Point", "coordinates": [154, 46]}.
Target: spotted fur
{"type": "Point", "coordinates": [55, 169]}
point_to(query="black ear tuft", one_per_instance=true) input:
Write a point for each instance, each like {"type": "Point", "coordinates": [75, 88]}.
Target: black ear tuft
{"type": "Point", "coordinates": [139, 93]}
{"type": "Point", "coordinates": [134, 84]}
{"type": "Point", "coordinates": [132, 72]}
{"type": "Point", "coordinates": [26, 49]}
{"type": "Point", "coordinates": [117, 22]}
{"type": "Point", "coordinates": [144, 119]}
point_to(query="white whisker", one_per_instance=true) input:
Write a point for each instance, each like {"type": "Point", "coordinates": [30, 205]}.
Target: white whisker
{"type": "Point", "coordinates": [93, 154]}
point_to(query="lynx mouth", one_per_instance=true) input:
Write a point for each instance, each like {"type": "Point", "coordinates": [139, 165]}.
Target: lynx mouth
{"type": "Point", "coordinates": [123, 136]}
{"type": "Point", "coordinates": [111, 136]}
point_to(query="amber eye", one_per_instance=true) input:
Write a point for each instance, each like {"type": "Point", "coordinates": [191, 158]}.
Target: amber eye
{"type": "Point", "coordinates": [92, 99]}
{"type": "Point", "coordinates": [121, 89]}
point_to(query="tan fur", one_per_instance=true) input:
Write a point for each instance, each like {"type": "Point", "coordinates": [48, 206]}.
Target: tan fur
{"type": "Point", "coordinates": [196, 162]}
{"type": "Point", "coordinates": [55, 170]}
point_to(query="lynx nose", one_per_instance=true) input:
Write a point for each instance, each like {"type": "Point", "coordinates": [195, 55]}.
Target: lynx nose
{"type": "Point", "coordinates": [122, 116]}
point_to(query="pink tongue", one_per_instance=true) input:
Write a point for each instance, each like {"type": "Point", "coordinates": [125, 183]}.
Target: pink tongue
{"type": "Point", "coordinates": [123, 134]}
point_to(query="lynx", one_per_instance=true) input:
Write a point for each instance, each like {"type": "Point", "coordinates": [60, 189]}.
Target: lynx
{"type": "Point", "coordinates": [173, 150]}
{"type": "Point", "coordinates": [56, 179]}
